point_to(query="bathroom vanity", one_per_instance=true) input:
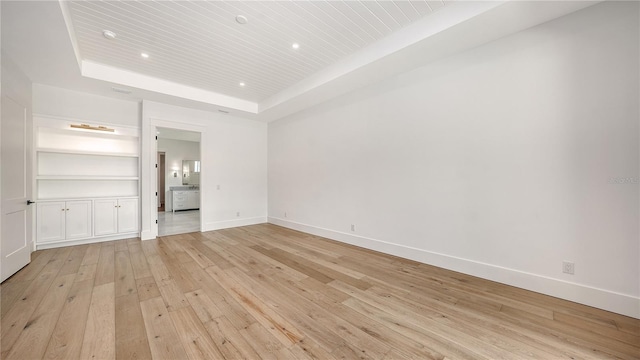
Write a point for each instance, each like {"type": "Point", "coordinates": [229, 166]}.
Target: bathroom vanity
{"type": "Point", "coordinates": [185, 198]}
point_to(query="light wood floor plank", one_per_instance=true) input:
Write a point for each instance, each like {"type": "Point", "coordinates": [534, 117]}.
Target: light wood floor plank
{"type": "Point", "coordinates": [194, 337]}
{"type": "Point", "coordinates": [131, 336]}
{"type": "Point", "coordinates": [264, 343]}
{"type": "Point", "coordinates": [138, 261]}
{"type": "Point", "coordinates": [105, 270]}
{"type": "Point", "coordinates": [92, 255]}
{"type": "Point", "coordinates": [9, 293]}
{"type": "Point", "coordinates": [67, 337]}
{"type": "Point", "coordinates": [125, 283]}
{"type": "Point", "coordinates": [267, 292]}
{"type": "Point", "coordinates": [204, 307]}
{"type": "Point", "coordinates": [29, 272]}
{"type": "Point", "coordinates": [17, 317]}
{"type": "Point", "coordinates": [228, 339]}
{"type": "Point", "coordinates": [99, 336]}
{"type": "Point", "coordinates": [147, 288]}
{"type": "Point", "coordinates": [279, 327]}
{"type": "Point", "coordinates": [87, 272]}
{"type": "Point", "coordinates": [74, 260]}
{"type": "Point", "coordinates": [35, 335]}
{"type": "Point", "coordinates": [161, 333]}
{"type": "Point", "coordinates": [223, 300]}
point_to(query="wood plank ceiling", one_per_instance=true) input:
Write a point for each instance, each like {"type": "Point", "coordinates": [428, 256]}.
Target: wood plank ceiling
{"type": "Point", "coordinates": [200, 43]}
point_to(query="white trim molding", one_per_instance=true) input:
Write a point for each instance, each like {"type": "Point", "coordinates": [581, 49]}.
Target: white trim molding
{"type": "Point", "coordinates": [226, 224]}
{"type": "Point", "coordinates": [600, 298]}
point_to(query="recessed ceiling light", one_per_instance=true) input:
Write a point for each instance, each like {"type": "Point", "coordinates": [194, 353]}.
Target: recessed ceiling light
{"type": "Point", "coordinates": [109, 34]}
{"type": "Point", "coordinates": [295, 46]}
{"type": "Point", "coordinates": [242, 84]}
{"type": "Point", "coordinates": [241, 19]}
{"type": "Point", "coordinates": [144, 55]}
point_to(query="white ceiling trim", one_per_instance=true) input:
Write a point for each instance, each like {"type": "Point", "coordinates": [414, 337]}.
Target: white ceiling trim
{"type": "Point", "coordinates": [66, 15]}
{"type": "Point", "coordinates": [128, 78]}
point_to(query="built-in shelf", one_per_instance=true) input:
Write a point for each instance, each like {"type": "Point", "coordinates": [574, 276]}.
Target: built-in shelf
{"type": "Point", "coordinates": [80, 171]}
{"type": "Point", "coordinates": [83, 152]}
{"type": "Point", "coordinates": [84, 177]}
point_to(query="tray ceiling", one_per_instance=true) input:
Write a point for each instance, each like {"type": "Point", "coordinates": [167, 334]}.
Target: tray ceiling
{"type": "Point", "coordinates": [201, 44]}
{"type": "Point", "coordinates": [199, 54]}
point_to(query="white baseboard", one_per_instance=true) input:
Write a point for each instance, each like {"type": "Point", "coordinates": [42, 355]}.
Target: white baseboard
{"type": "Point", "coordinates": [147, 235]}
{"type": "Point", "coordinates": [583, 294]}
{"type": "Point", "coordinates": [57, 244]}
{"type": "Point", "coordinates": [225, 224]}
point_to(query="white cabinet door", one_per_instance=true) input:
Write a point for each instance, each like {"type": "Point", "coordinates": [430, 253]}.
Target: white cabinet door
{"type": "Point", "coordinates": [51, 221]}
{"type": "Point", "coordinates": [194, 199]}
{"type": "Point", "coordinates": [15, 217]}
{"type": "Point", "coordinates": [105, 220]}
{"type": "Point", "coordinates": [78, 219]}
{"type": "Point", "coordinates": [127, 215]}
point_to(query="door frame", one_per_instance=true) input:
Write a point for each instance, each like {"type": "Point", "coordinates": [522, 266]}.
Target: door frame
{"type": "Point", "coordinates": [149, 208]}
{"type": "Point", "coordinates": [161, 182]}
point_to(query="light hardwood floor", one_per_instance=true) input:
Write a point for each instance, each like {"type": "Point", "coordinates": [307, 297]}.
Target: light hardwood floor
{"type": "Point", "coordinates": [267, 292]}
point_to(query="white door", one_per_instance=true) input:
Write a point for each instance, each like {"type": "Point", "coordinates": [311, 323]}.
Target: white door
{"type": "Point", "coordinates": [15, 245]}
{"type": "Point", "coordinates": [78, 219]}
{"type": "Point", "coordinates": [50, 221]}
{"type": "Point", "coordinates": [105, 221]}
{"type": "Point", "coordinates": [127, 215]}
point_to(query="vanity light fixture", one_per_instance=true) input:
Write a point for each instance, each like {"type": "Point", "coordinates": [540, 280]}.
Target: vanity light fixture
{"type": "Point", "coordinates": [89, 127]}
{"type": "Point", "coordinates": [120, 90]}
{"type": "Point", "coordinates": [175, 174]}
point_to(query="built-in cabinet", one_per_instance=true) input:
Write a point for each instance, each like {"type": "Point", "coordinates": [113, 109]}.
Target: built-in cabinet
{"type": "Point", "coordinates": [185, 199]}
{"type": "Point", "coordinates": [113, 216]}
{"type": "Point", "coordinates": [95, 168]}
{"type": "Point", "coordinates": [63, 220]}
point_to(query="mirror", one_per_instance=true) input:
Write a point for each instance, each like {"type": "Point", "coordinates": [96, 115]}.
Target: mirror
{"type": "Point", "coordinates": [190, 172]}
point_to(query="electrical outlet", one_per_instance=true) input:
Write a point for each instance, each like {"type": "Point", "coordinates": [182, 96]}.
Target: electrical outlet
{"type": "Point", "coordinates": [285, 214]}
{"type": "Point", "coordinates": [218, 187]}
{"type": "Point", "coordinates": [238, 214]}
{"type": "Point", "coordinates": [568, 267]}
{"type": "Point", "coordinates": [353, 227]}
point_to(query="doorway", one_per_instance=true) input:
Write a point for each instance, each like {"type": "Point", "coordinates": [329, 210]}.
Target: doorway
{"type": "Point", "coordinates": [178, 181]}
{"type": "Point", "coordinates": [161, 180]}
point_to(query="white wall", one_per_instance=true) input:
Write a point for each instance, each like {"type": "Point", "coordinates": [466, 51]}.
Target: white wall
{"type": "Point", "coordinates": [499, 162]}
{"type": "Point", "coordinates": [233, 156]}
{"type": "Point", "coordinates": [49, 100]}
{"type": "Point", "coordinates": [176, 151]}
